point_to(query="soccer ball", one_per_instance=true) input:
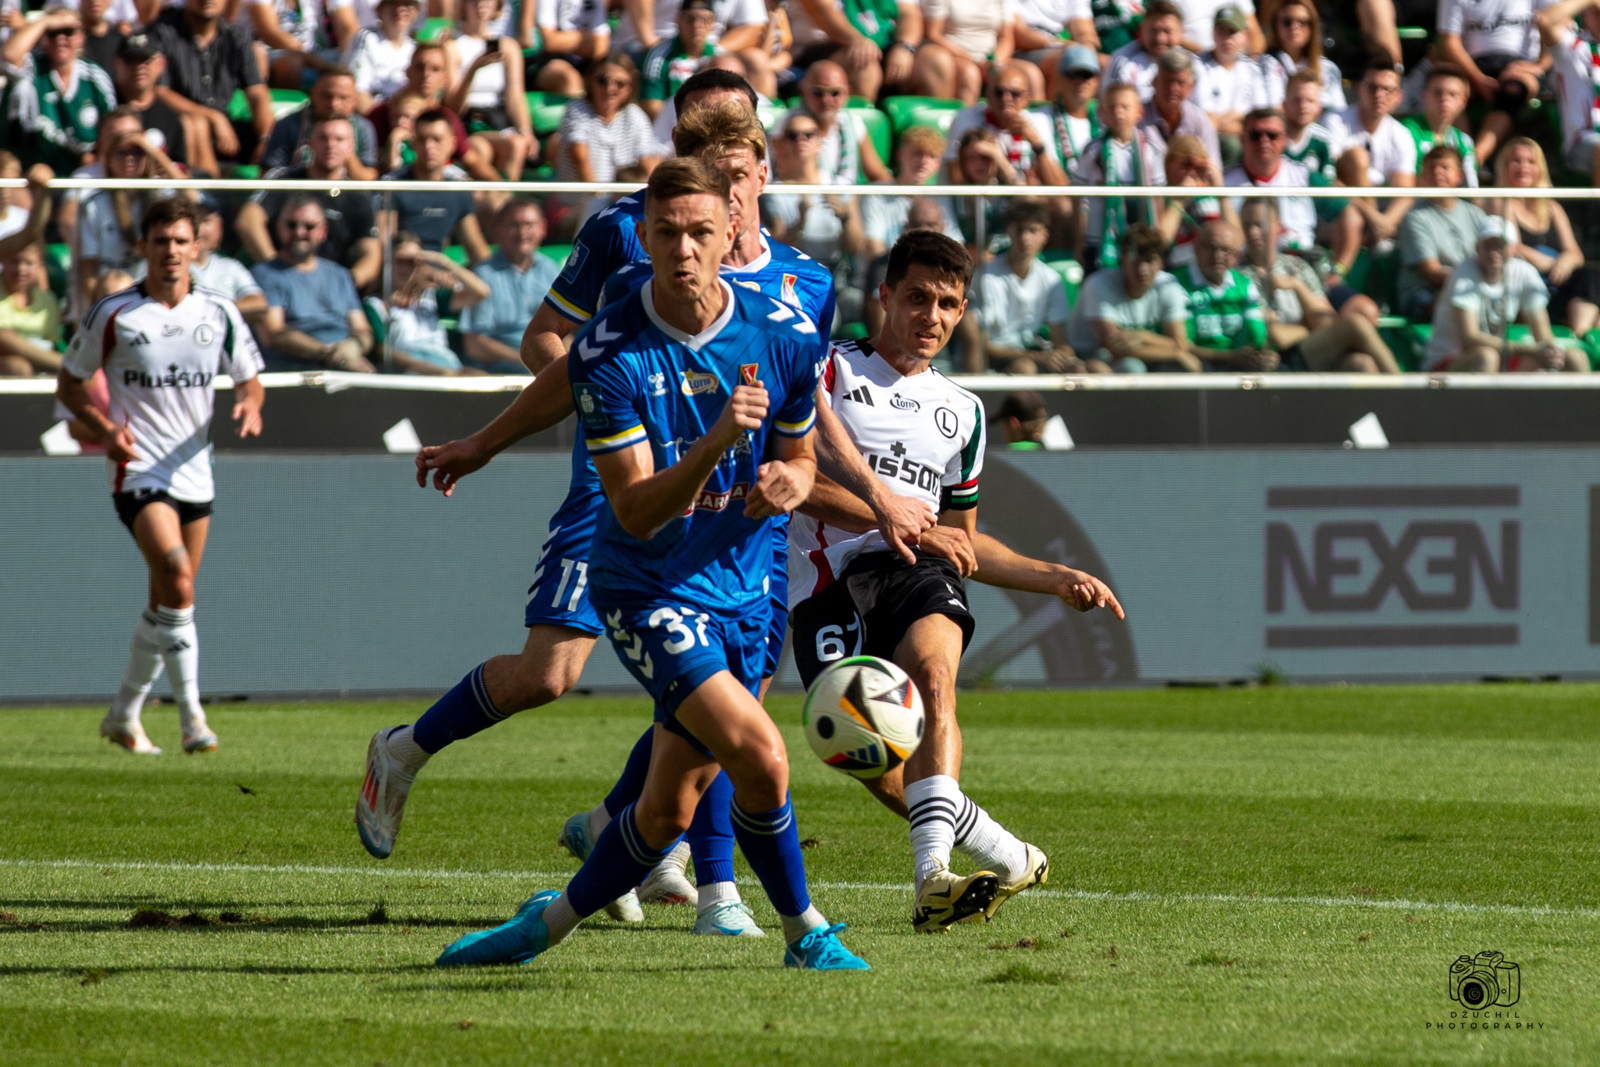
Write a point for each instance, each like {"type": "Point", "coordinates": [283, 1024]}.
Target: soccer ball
{"type": "Point", "coordinates": [863, 716]}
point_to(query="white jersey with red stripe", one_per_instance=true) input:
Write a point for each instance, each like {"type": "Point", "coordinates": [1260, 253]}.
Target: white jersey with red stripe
{"type": "Point", "coordinates": [161, 366]}
{"type": "Point", "coordinates": [923, 436]}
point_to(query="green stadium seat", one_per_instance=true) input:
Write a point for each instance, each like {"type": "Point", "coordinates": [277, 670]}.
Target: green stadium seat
{"type": "Point", "coordinates": [58, 268]}
{"type": "Point", "coordinates": [433, 30]}
{"type": "Point", "coordinates": [877, 124]}
{"type": "Point", "coordinates": [908, 111]}
{"type": "Point", "coordinates": [456, 253]}
{"type": "Point", "coordinates": [545, 110]}
{"type": "Point", "coordinates": [246, 171]}
{"type": "Point", "coordinates": [1070, 269]}
{"type": "Point", "coordinates": [284, 102]}
{"type": "Point", "coordinates": [559, 253]}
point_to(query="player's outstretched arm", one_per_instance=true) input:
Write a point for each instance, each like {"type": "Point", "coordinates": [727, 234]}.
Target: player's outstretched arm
{"type": "Point", "coordinates": [999, 566]}
{"type": "Point", "coordinates": [900, 519]}
{"type": "Point", "coordinates": [644, 499]}
{"type": "Point", "coordinates": [544, 403]}
{"type": "Point", "coordinates": [248, 396]}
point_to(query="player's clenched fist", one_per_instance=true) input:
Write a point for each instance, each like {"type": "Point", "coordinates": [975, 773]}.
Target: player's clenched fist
{"type": "Point", "coordinates": [779, 489]}
{"type": "Point", "coordinates": [744, 411]}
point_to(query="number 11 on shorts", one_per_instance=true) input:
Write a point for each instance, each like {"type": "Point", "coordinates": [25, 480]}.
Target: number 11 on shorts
{"type": "Point", "coordinates": [567, 567]}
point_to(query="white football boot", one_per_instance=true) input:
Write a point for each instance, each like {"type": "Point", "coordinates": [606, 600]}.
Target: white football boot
{"type": "Point", "coordinates": [130, 735]}
{"type": "Point", "coordinates": [575, 839]}
{"type": "Point", "coordinates": [382, 800]}
{"type": "Point", "coordinates": [667, 884]}
{"type": "Point", "coordinates": [197, 736]}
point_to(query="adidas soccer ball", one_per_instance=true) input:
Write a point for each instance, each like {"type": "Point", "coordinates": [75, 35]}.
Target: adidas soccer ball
{"type": "Point", "coordinates": [863, 716]}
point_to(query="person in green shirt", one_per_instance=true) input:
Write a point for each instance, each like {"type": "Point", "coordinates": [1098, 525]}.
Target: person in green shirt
{"type": "Point", "coordinates": [670, 63]}
{"type": "Point", "coordinates": [1022, 416]}
{"type": "Point", "coordinates": [1227, 323]}
{"type": "Point", "coordinates": [1444, 98]}
{"type": "Point", "coordinates": [56, 98]}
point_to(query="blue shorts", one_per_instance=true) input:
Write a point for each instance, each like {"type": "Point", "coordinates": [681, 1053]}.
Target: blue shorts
{"type": "Point", "coordinates": [559, 595]}
{"type": "Point", "coordinates": [778, 592]}
{"type": "Point", "coordinates": [671, 650]}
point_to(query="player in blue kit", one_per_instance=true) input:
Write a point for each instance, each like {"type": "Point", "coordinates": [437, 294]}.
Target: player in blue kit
{"type": "Point", "coordinates": [697, 401]}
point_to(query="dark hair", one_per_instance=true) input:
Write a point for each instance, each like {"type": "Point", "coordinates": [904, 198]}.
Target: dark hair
{"type": "Point", "coordinates": [337, 70]}
{"type": "Point", "coordinates": [405, 237]}
{"type": "Point", "coordinates": [168, 210]}
{"type": "Point", "coordinates": [928, 248]}
{"type": "Point", "coordinates": [1378, 65]}
{"type": "Point", "coordinates": [1024, 405]}
{"type": "Point", "coordinates": [517, 203]}
{"type": "Point", "coordinates": [713, 78]}
{"type": "Point", "coordinates": [434, 114]}
{"type": "Point", "coordinates": [1439, 151]}
{"type": "Point", "coordinates": [1139, 242]}
{"type": "Point", "coordinates": [296, 201]}
{"type": "Point", "coordinates": [1025, 212]}
{"type": "Point", "coordinates": [1445, 70]}
{"type": "Point", "coordinates": [1261, 114]}
{"type": "Point", "coordinates": [1161, 9]}
{"type": "Point", "coordinates": [686, 176]}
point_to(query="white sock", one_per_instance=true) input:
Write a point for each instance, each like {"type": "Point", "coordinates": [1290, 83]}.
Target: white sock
{"type": "Point", "coordinates": [988, 844]}
{"type": "Point", "coordinates": [144, 667]}
{"type": "Point", "coordinates": [561, 919]}
{"type": "Point", "coordinates": [797, 926]}
{"type": "Point", "coordinates": [599, 819]}
{"type": "Point", "coordinates": [403, 747]}
{"type": "Point", "coordinates": [180, 650]}
{"type": "Point", "coordinates": [933, 803]}
{"type": "Point", "coordinates": [717, 893]}
{"type": "Point", "coordinates": [678, 858]}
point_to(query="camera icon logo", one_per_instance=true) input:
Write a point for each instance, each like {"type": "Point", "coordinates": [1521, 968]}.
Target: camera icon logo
{"type": "Point", "coordinates": [1487, 980]}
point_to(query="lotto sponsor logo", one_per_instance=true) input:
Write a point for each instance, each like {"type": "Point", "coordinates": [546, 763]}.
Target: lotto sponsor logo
{"type": "Point", "coordinates": [695, 383]}
{"type": "Point", "coordinates": [175, 378]}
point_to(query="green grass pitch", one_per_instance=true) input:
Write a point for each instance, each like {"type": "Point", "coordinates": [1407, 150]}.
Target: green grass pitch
{"type": "Point", "coordinates": [1264, 876]}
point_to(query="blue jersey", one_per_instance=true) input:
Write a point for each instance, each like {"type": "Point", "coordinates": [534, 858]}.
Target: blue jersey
{"type": "Point", "coordinates": [636, 380]}
{"type": "Point", "coordinates": [606, 243]}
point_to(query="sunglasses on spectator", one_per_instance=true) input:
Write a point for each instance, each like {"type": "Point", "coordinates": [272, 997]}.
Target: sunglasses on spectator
{"type": "Point", "coordinates": [301, 227]}
{"type": "Point", "coordinates": [799, 135]}
{"type": "Point", "coordinates": [1079, 75]}
{"type": "Point", "coordinates": [1265, 135]}
{"type": "Point", "coordinates": [614, 83]}
{"type": "Point", "coordinates": [1010, 94]}
{"type": "Point", "coordinates": [829, 93]}
{"type": "Point", "coordinates": [1292, 22]}
{"type": "Point", "coordinates": [131, 152]}
{"type": "Point", "coordinates": [62, 31]}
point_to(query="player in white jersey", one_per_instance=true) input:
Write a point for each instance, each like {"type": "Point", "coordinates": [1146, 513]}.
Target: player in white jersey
{"type": "Point", "coordinates": [850, 594]}
{"type": "Point", "coordinates": [162, 345]}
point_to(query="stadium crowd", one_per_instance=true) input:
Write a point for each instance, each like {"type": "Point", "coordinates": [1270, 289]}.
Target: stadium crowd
{"type": "Point", "coordinates": [1167, 95]}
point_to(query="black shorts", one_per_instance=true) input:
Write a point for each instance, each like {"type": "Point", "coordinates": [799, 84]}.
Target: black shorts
{"type": "Point", "coordinates": [1511, 96]}
{"type": "Point", "coordinates": [129, 505]}
{"type": "Point", "coordinates": [869, 609]}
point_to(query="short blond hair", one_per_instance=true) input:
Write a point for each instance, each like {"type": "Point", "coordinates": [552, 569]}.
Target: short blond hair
{"type": "Point", "coordinates": [686, 176]}
{"type": "Point", "coordinates": [710, 131]}
{"type": "Point", "coordinates": [924, 139]}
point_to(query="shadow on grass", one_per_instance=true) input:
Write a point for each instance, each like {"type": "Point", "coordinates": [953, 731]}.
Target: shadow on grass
{"type": "Point", "coordinates": [269, 969]}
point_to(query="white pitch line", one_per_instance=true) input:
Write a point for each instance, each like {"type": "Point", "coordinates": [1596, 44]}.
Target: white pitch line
{"type": "Point", "coordinates": [1134, 897]}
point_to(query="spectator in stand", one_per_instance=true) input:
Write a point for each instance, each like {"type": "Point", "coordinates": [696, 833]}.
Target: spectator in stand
{"type": "Point", "coordinates": [1187, 164]}
{"type": "Point", "coordinates": [1374, 150]}
{"type": "Point", "coordinates": [1135, 62]}
{"type": "Point", "coordinates": [1294, 42]}
{"type": "Point", "coordinates": [102, 38]}
{"type": "Point", "coordinates": [1227, 322]}
{"type": "Point", "coordinates": [1200, 20]}
{"type": "Point", "coordinates": [351, 231]}
{"type": "Point", "coordinates": [1043, 27]}
{"type": "Point", "coordinates": [1263, 164]}
{"type": "Point", "coordinates": [1547, 241]}
{"type": "Point", "coordinates": [517, 276]}
{"type": "Point", "coordinates": [1024, 135]}
{"type": "Point", "coordinates": [68, 202]}
{"type": "Point", "coordinates": [108, 234]}
{"type": "Point", "coordinates": [960, 42]}
{"type": "Point", "coordinates": [186, 139]}
{"type": "Point", "coordinates": [575, 33]}
{"type": "Point", "coordinates": [1116, 23]}
{"type": "Point", "coordinates": [220, 273]}
{"type": "Point", "coordinates": [313, 318]}
{"type": "Point", "coordinates": [1229, 80]}
{"type": "Point", "coordinates": [826, 227]}
{"type": "Point", "coordinates": [1445, 93]}
{"type": "Point", "coordinates": [487, 93]}
{"type": "Point", "coordinates": [1483, 295]}
{"type": "Point", "coordinates": [1022, 304]}
{"type": "Point", "coordinates": [288, 35]}
{"type": "Point", "coordinates": [20, 228]}
{"type": "Point", "coordinates": [435, 216]}
{"type": "Point", "coordinates": [207, 60]}
{"type": "Point", "coordinates": [875, 41]}
{"type": "Point", "coordinates": [1310, 142]}
{"type": "Point", "coordinates": [846, 151]}
{"type": "Point", "coordinates": [674, 60]}
{"type": "Point", "coordinates": [346, 18]}
{"type": "Point", "coordinates": [333, 93]}
{"type": "Point", "coordinates": [1499, 51]}
{"type": "Point", "coordinates": [883, 218]}
{"type": "Point", "coordinates": [1124, 156]}
{"type": "Point", "coordinates": [13, 213]}
{"type": "Point", "coordinates": [416, 340]}
{"type": "Point", "coordinates": [1073, 123]}
{"type": "Point", "coordinates": [777, 42]}
{"type": "Point", "coordinates": [1573, 49]}
{"type": "Point", "coordinates": [1022, 418]}
{"type": "Point", "coordinates": [600, 133]}
{"type": "Point", "coordinates": [429, 75]}
{"type": "Point", "coordinates": [981, 161]}
{"type": "Point", "coordinates": [924, 213]}
{"type": "Point", "coordinates": [1301, 324]}
{"type": "Point", "coordinates": [402, 109]}
{"type": "Point", "coordinates": [1170, 112]}
{"type": "Point", "coordinates": [379, 58]}
{"type": "Point", "coordinates": [30, 316]}
{"type": "Point", "coordinates": [1133, 316]}
{"type": "Point", "coordinates": [56, 97]}
{"type": "Point", "coordinates": [740, 31]}
{"type": "Point", "coordinates": [1435, 236]}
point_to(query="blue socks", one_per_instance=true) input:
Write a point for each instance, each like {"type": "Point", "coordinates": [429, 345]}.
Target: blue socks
{"type": "Point", "coordinates": [620, 861]}
{"type": "Point", "coordinates": [710, 835]}
{"type": "Point", "coordinates": [460, 713]}
{"type": "Point", "coordinates": [771, 843]}
{"type": "Point", "coordinates": [631, 784]}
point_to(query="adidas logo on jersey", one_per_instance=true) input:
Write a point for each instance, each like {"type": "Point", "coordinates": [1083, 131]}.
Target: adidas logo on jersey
{"type": "Point", "coordinates": [861, 395]}
{"type": "Point", "coordinates": [141, 339]}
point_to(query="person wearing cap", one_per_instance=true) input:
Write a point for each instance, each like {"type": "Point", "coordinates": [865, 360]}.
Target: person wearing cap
{"type": "Point", "coordinates": [1024, 135]}
{"type": "Point", "coordinates": [208, 59]}
{"type": "Point", "coordinates": [671, 62]}
{"type": "Point", "coordinates": [1229, 80]}
{"type": "Point", "coordinates": [1200, 21]}
{"type": "Point", "coordinates": [1170, 112]}
{"type": "Point", "coordinates": [1135, 62]}
{"type": "Point", "coordinates": [138, 71]}
{"type": "Point", "coordinates": [1435, 236]}
{"type": "Point", "coordinates": [379, 58]}
{"type": "Point", "coordinates": [1481, 298]}
{"type": "Point", "coordinates": [57, 97]}
{"type": "Point", "coordinates": [1073, 123]}
{"type": "Point", "coordinates": [1022, 416]}
{"type": "Point", "coordinates": [1044, 26]}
